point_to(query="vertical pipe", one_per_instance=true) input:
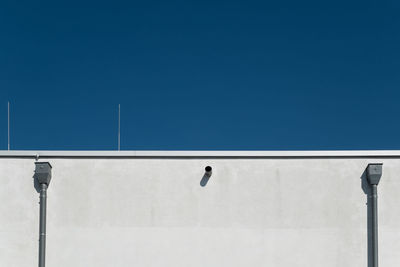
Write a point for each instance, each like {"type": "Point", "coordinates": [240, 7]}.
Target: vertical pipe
{"type": "Point", "coordinates": [8, 128]}
{"type": "Point", "coordinates": [374, 225]}
{"type": "Point", "coordinates": [42, 230]}
{"type": "Point", "coordinates": [119, 127]}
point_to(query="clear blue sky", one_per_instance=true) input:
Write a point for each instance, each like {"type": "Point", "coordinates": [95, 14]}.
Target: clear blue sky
{"type": "Point", "coordinates": [259, 75]}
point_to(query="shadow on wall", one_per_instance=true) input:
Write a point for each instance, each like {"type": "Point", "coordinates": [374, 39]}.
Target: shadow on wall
{"type": "Point", "coordinates": [36, 183]}
{"type": "Point", "coordinates": [204, 180]}
{"type": "Point", "coordinates": [366, 187]}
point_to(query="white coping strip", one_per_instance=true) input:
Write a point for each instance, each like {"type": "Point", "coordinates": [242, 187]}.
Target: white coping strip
{"type": "Point", "coordinates": [200, 153]}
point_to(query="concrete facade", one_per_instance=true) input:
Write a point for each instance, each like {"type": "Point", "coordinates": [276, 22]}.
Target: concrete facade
{"type": "Point", "coordinates": [286, 209]}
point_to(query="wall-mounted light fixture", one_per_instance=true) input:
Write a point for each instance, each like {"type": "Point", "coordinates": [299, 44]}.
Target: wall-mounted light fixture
{"type": "Point", "coordinates": [43, 176]}
{"type": "Point", "coordinates": [374, 173]}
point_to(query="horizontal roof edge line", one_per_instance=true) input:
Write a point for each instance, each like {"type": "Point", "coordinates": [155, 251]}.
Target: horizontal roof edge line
{"type": "Point", "coordinates": [201, 153]}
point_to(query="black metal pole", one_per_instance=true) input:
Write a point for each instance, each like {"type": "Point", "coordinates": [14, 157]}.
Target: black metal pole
{"type": "Point", "coordinates": [374, 225]}
{"type": "Point", "coordinates": [43, 176]}
{"type": "Point", "coordinates": [374, 173]}
{"type": "Point", "coordinates": [42, 230]}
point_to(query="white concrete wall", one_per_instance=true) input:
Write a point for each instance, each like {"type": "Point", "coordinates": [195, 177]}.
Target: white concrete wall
{"type": "Point", "coordinates": [153, 212]}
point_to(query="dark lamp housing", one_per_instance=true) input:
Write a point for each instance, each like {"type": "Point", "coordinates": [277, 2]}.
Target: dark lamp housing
{"type": "Point", "coordinates": [43, 172]}
{"type": "Point", "coordinates": [374, 173]}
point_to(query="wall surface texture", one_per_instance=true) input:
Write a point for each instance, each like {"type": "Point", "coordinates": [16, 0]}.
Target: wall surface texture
{"type": "Point", "coordinates": [153, 212]}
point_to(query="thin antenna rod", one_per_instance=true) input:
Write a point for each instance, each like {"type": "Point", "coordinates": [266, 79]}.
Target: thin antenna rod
{"type": "Point", "coordinates": [119, 127]}
{"type": "Point", "coordinates": [8, 125]}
